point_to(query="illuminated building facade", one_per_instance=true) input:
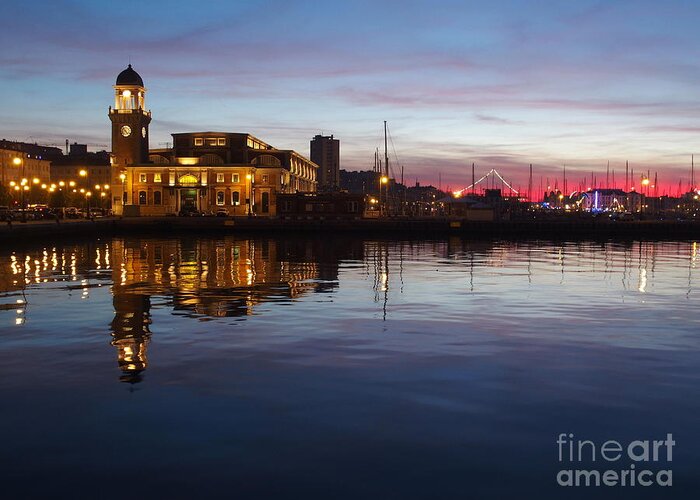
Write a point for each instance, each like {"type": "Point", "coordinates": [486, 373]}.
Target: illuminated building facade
{"type": "Point", "coordinates": [96, 167]}
{"type": "Point", "coordinates": [235, 173]}
{"type": "Point", "coordinates": [16, 165]}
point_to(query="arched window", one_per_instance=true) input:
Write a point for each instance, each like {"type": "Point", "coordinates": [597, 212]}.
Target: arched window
{"type": "Point", "coordinates": [210, 159]}
{"type": "Point", "coordinates": [267, 161]}
{"type": "Point", "coordinates": [142, 197]}
{"type": "Point", "coordinates": [188, 180]}
{"type": "Point", "coordinates": [220, 197]}
{"type": "Point", "coordinates": [158, 159]}
{"type": "Point", "coordinates": [157, 198]}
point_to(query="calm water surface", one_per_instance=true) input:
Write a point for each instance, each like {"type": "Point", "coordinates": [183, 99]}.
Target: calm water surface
{"type": "Point", "coordinates": [299, 368]}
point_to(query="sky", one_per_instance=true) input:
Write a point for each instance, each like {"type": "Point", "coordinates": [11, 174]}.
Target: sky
{"type": "Point", "coordinates": [501, 84]}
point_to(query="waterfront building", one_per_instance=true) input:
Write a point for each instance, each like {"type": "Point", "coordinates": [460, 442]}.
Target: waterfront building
{"type": "Point", "coordinates": [338, 205]}
{"type": "Point", "coordinates": [95, 166]}
{"type": "Point", "coordinates": [235, 173]}
{"type": "Point", "coordinates": [16, 164]}
{"type": "Point", "coordinates": [325, 152]}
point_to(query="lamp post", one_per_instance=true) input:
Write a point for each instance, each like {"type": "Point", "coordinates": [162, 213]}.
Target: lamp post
{"type": "Point", "coordinates": [83, 173]}
{"type": "Point", "coordinates": [122, 177]}
{"type": "Point", "coordinates": [645, 183]}
{"type": "Point", "coordinates": [19, 161]}
{"type": "Point", "coordinates": [249, 177]}
{"type": "Point", "coordinates": [383, 181]}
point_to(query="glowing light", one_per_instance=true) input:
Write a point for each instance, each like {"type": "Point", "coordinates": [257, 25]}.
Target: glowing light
{"type": "Point", "coordinates": [71, 183]}
{"type": "Point", "coordinates": [61, 183]}
{"type": "Point", "coordinates": [17, 161]}
{"type": "Point", "coordinates": [12, 183]}
{"type": "Point", "coordinates": [83, 173]}
{"type": "Point", "coordinates": [122, 177]}
{"type": "Point", "coordinates": [126, 93]}
{"type": "Point", "coordinates": [645, 182]}
{"type": "Point", "coordinates": [36, 180]}
{"type": "Point", "coordinates": [384, 179]}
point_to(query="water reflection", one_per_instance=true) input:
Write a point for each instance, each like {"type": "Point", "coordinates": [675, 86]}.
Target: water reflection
{"type": "Point", "coordinates": [213, 279]}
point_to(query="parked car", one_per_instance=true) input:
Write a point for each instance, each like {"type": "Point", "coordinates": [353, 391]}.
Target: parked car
{"type": "Point", "coordinates": [190, 212]}
{"type": "Point", "coordinates": [71, 213]}
{"type": "Point", "coordinates": [222, 212]}
{"type": "Point", "coordinates": [6, 214]}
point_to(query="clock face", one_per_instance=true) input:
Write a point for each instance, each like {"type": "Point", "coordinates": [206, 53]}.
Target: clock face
{"type": "Point", "coordinates": [126, 130]}
{"type": "Point", "coordinates": [143, 132]}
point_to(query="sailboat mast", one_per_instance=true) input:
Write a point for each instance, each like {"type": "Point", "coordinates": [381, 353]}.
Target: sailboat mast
{"type": "Point", "coordinates": [386, 153]}
{"type": "Point", "coordinates": [692, 172]}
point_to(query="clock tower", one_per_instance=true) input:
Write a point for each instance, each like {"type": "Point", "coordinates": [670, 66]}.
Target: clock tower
{"type": "Point", "coordinates": [130, 120]}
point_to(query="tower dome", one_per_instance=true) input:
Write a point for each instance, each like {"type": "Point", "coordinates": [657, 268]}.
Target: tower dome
{"type": "Point", "coordinates": [129, 77]}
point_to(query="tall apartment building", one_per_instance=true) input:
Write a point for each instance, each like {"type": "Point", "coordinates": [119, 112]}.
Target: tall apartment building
{"type": "Point", "coordinates": [325, 152]}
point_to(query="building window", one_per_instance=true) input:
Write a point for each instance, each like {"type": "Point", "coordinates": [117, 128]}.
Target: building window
{"type": "Point", "coordinates": [235, 198]}
{"type": "Point", "coordinates": [211, 141]}
{"type": "Point", "coordinates": [198, 141]}
{"type": "Point", "coordinates": [249, 143]}
{"type": "Point", "coordinates": [143, 178]}
{"type": "Point", "coordinates": [157, 178]}
{"type": "Point", "coordinates": [222, 141]}
{"type": "Point", "coordinates": [264, 179]}
{"type": "Point", "coordinates": [352, 206]}
{"type": "Point", "coordinates": [142, 197]}
{"type": "Point", "coordinates": [219, 177]}
{"type": "Point", "coordinates": [235, 178]}
{"type": "Point", "coordinates": [220, 197]}
{"type": "Point", "coordinates": [157, 198]}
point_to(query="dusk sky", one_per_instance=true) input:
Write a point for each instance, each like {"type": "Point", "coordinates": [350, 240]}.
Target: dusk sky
{"type": "Point", "coordinates": [502, 84]}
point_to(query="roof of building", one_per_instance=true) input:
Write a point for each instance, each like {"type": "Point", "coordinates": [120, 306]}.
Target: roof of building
{"type": "Point", "coordinates": [129, 77]}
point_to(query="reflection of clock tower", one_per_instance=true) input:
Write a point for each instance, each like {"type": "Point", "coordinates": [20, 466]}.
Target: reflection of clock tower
{"type": "Point", "coordinates": [130, 121]}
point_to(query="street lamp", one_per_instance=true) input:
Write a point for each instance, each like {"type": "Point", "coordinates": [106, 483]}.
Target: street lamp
{"type": "Point", "coordinates": [19, 161]}
{"type": "Point", "coordinates": [645, 183]}
{"type": "Point", "coordinates": [249, 177]}
{"type": "Point", "coordinates": [122, 177]}
{"type": "Point", "coordinates": [83, 173]}
{"type": "Point", "coordinates": [383, 181]}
